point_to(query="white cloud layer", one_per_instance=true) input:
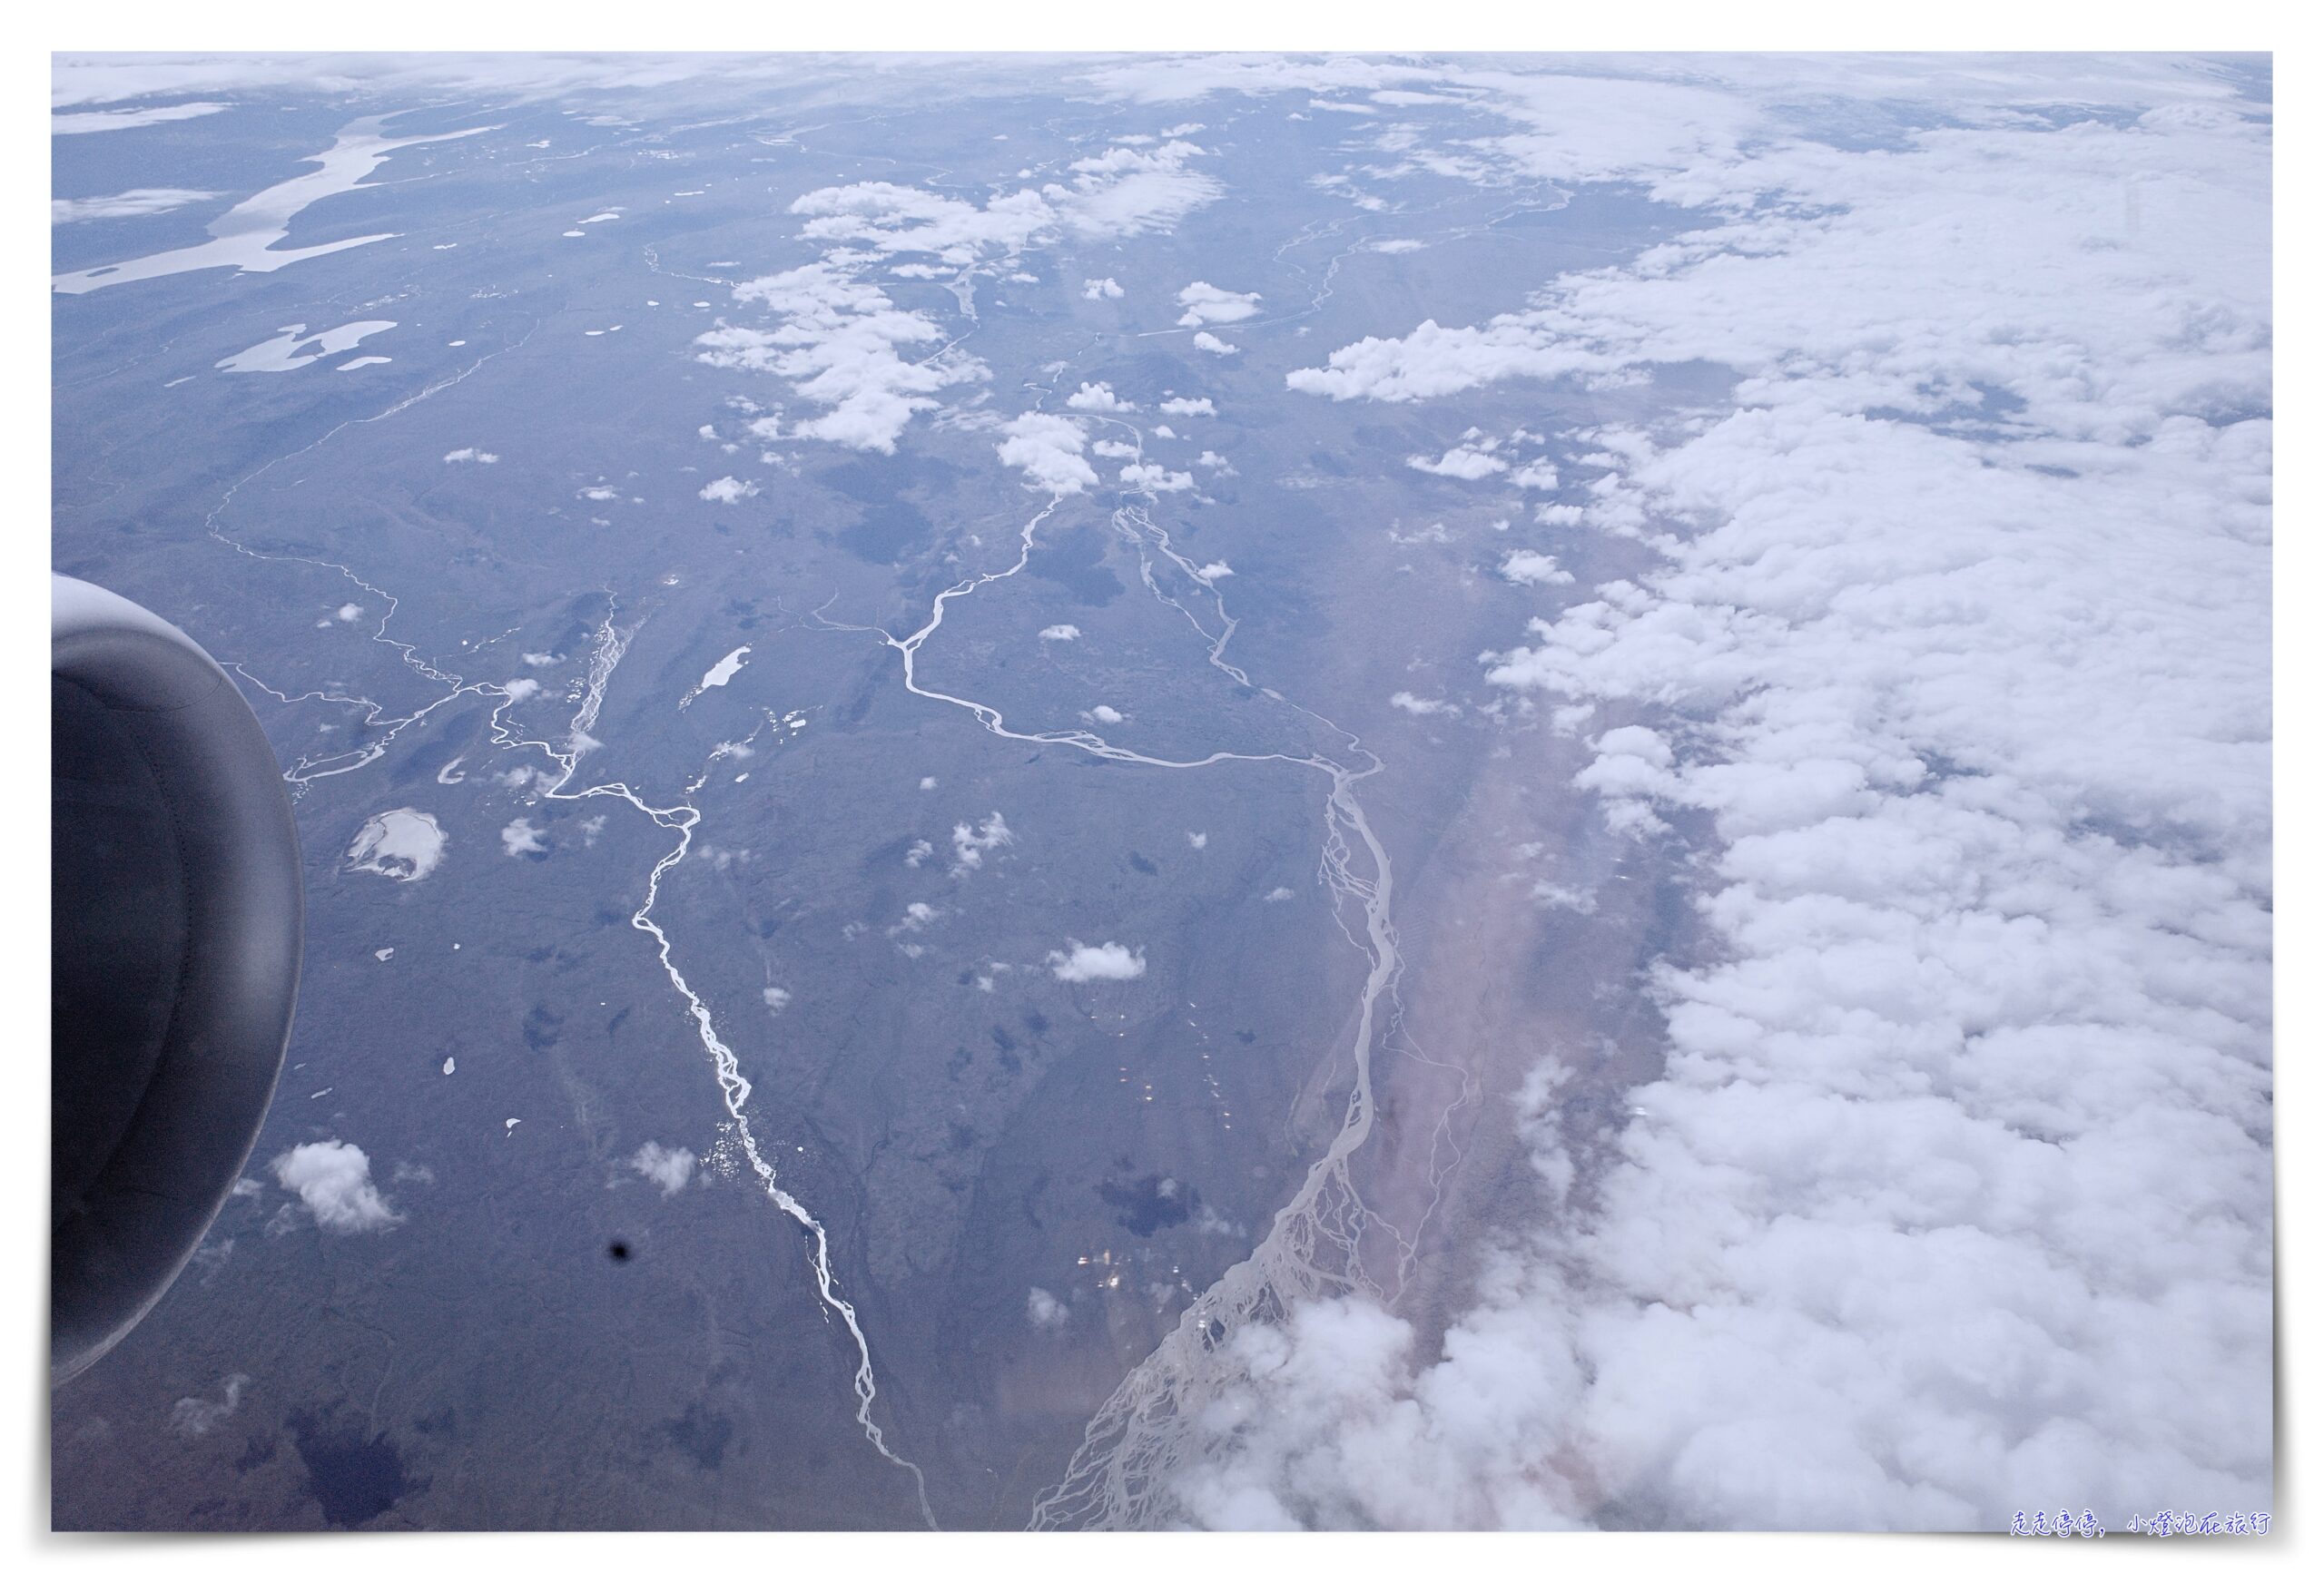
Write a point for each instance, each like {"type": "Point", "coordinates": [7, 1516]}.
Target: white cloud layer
{"type": "Point", "coordinates": [1956, 1187]}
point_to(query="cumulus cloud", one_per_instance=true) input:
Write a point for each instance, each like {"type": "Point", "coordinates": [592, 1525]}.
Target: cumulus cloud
{"type": "Point", "coordinates": [136, 201]}
{"type": "Point", "coordinates": [1462, 461]}
{"type": "Point", "coordinates": [668, 1169]}
{"type": "Point", "coordinates": [1049, 448]}
{"type": "Point", "coordinates": [1155, 477]}
{"type": "Point", "coordinates": [1043, 1310]}
{"type": "Point", "coordinates": [1205, 342]}
{"type": "Point", "coordinates": [521, 838]}
{"type": "Point", "coordinates": [519, 690]}
{"type": "Point", "coordinates": [1105, 714]}
{"type": "Point", "coordinates": [1097, 397]}
{"type": "Point", "coordinates": [1413, 704]}
{"type": "Point", "coordinates": [1095, 289]}
{"type": "Point", "coordinates": [840, 338]}
{"type": "Point", "coordinates": [1189, 407]}
{"type": "Point", "coordinates": [970, 843]}
{"type": "Point", "coordinates": [333, 1180]}
{"type": "Point", "coordinates": [729, 491]}
{"type": "Point", "coordinates": [1534, 568]}
{"type": "Point", "coordinates": [1207, 304]}
{"type": "Point", "coordinates": [1212, 571]}
{"type": "Point", "coordinates": [776, 999]}
{"type": "Point", "coordinates": [1063, 632]}
{"type": "Point", "coordinates": [1128, 192]}
{"type": "Point", "coordinates": [195, 1416]}
{"type": "Point", "coordinates": [838, 341]}
{"type": "Point", "coordinates": [470, 454]}
{"type": "Point", "coordinates": [1080, 964]}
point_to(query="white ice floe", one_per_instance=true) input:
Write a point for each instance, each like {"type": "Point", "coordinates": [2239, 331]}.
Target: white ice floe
{"type": "Point", "coordinates": [402, 843]}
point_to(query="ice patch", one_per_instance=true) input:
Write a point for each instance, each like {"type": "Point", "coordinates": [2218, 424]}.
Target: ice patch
{"type": "Point", "coordinates": [295, 348]}
{"type": "Point", "coordinates": [402, 843]}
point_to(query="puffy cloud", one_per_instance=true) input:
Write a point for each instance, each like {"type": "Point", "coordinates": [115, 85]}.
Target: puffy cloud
{"type": "Point", "coordinates": [668, 1169]}
{"type": "Point", "coordinates": [1043, 1310]}
{"type": "Point", "coordinates": [333, 1180]}
{"type": "Point", "coordinates": [1049, 448]}
{"type": "Point", "coordinates": [1095, 289]}
{"type": "Point", "coordinates": [971, 841]}
{"type": "Point", "coordinates": [1205, 342]}
{"type": "Point", "coordinates": [470, 454]}
{"type": "Point", "coordinates": [1460, 462]}
{"type": "Point", "coordinates": [521, 838]}
{"type": "Point", "coordinates": [1212, 571]}
{"type": "Point", "coordinates": [1189, 407]}
{"type": "Point", "coordinates": [1157, 478]}
{"type": "Point", "coordinates": [729, 491]}
{"type": "Point", "coordinates": [837, 342]}
{"type": "Point", "coordinates": [1207, 304]}
{"type": "Point", "coordinates": [1129, 191]}
{"type": "Point", "coordinates": [1105, 714]}
{"type": "Point", "coordinates": [1063, 632]}
{"type": "Point", "coordinates": [1432, 361]}
{"type": "Point", "coordinates": [1122, 193]}
{"type": "Point", "coordinates": [1412, 703]}
{"type": "Point", "coordinates": [776, 999]}
{"type": "Point", "coordinates": [195, 1416]}
{"type": "Point", "coordinates": [1097, 397]}
{"type": "Point", "coordinates": [1535, 567]}
{"type": "Point", "coordinates": [1080, 964]}
{"type": "Point", "coordinates": [136, 201]}
{"type": "Point", "coordinates": [892, 219]}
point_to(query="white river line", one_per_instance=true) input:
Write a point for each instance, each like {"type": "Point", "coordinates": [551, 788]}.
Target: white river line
{"type": "Point", "coordinates": [681, 817]}
{"type": "Point", "coordinates": [1151, 1426]}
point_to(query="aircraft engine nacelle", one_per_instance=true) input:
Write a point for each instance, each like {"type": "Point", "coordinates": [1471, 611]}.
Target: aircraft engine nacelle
{"type": "Point", "coordinates": [177, 918]}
